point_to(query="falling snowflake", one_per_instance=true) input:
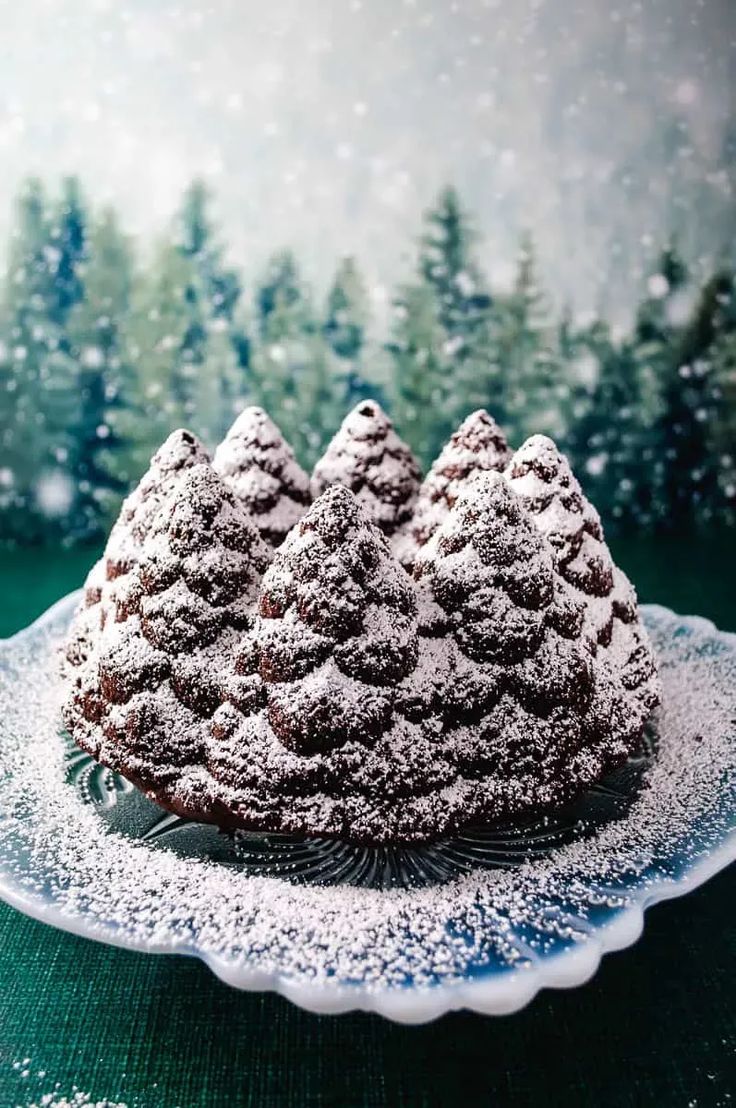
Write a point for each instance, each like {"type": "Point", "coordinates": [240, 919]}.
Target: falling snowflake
{"type": "Point", "coordinates": [54, 493]}
{"type": "Point", "coordinates": [658, 286]}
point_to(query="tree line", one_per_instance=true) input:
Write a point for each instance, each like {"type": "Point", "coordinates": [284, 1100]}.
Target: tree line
{"type": "Point", "coordinates": [102, 353]}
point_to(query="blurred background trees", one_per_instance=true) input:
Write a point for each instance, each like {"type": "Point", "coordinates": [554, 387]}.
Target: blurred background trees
{"type": "Point", "coordinates": [103, 352]}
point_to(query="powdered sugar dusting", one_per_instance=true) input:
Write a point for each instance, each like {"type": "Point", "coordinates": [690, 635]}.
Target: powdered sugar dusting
{"type": "Point", "coordinates": [340, 695]}
{"type": "Point", "coordinates": [476, 446]}
{"type": "Point", "coordinates": [368, 457]}
{"type": "Point", "coordinates": [260, 467]}
{"type": "Point", "coordinates": [541, 476]}
{"type": "Point", "coordinates": [292, 935]}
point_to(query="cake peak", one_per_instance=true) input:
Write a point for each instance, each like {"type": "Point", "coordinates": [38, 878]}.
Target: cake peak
{"type": "Point", "coordinates": [541, 455]}
{"type": "Point", "coordinates": [202, 510]}
{"type": "Point", "coordinates": [479, 431]}
{"type": "Point", "coordinates": [477, 445]}
{"type": "Point", "coordinates": [491, 570]}
{"type": "Point", "coordinates": [253, 422]}
{"type": "Point", "coordinates": [178, 453]}
{"type": "Point", "coordinates": [336, 513]}
{"type": "Point", "coordinates": [368, 457]}
{"type": "Point", "coordinates": [180, 450]}
{"type": "Point", "coordinates": [338, 626]}
{"type": "Point", "coordinates": [260, 467]}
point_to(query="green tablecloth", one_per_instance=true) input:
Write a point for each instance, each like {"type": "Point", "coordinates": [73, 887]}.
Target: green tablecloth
{"type": "Point", "coordinates": [656, 1026]}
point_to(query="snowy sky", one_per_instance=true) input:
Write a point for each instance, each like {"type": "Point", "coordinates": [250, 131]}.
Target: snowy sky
{"type": "Point", "coordinates": [329, 125]}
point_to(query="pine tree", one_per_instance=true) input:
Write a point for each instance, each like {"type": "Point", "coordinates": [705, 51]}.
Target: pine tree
{"type": "Point", "coordinates": [419, 380]}
{"type": "Point", "coordinates": [184, 334]}
{"type": "Point", "coordinates": [654, 349]}
{"type": "Point", "coordinates": [216, 343]}
{"type": "Point", "coordinates": [321, 399]}
{"type": "Point", "coordinates": [695, 476]}
{"type": "Point", "coordinates": [107, 416]}
{"type": "Point", "coordinates": [293, 374]}
{"type": "Point", "coordinates": [447, 265]}
{"type": "Point", "coordinates": [608, 438]}
{"type": "Point", "coordinates": [346, 320]}
{"type": "Point", "coordinates": [161, 348]}
{"type": "Point", "coordinates": [280, 298]}
{"type": "Point", "coordinates": [40, 398]}
{"type": "Point", "coordinates": [444, 339]}
{"type": "Point", "coordinates": [724, 429]}
{"type": "Point", "coordinates": [346, 315]}
{"type": "Point", "coordinates": [536, 391]}
{"type": "Point", "coordinates": [69, 236]}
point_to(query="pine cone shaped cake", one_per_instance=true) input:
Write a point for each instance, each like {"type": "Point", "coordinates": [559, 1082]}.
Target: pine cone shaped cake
{"type": "Point", "coordinates": [541, 476]}
{"type": "Point", "coordinates": [478, 444]}
{"type": "Point", "coordinates": [142, 699]}
{"type": "Point", "coordinates": [253, 660]}
{"type": "Point", "coordinates": [368, 457]}
{"type": "Point", "coordinates": [139, 512]}
{"type": "Point", "coordinates": [259, 466]}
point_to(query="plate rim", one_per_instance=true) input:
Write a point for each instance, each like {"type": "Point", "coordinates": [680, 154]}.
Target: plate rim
{"type": "Point", "coordinates": [501, 994]}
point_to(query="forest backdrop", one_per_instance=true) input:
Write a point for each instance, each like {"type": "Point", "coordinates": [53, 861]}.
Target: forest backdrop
{"type": "Point", "coordinates": [103, 352]}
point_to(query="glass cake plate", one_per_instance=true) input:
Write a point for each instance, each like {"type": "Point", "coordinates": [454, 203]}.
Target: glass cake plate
{"type": "Point", "coordinates": [480, 921]}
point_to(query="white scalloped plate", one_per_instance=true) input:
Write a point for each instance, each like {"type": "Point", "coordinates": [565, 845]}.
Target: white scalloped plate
{"type": "Point", "coordinates": [482, 922]}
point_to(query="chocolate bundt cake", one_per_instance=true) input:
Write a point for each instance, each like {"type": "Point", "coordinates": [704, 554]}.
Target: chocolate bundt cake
{"type": "Point", "coordinates": [252, 659]}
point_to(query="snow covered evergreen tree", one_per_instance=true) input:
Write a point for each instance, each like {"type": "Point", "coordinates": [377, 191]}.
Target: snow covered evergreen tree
{"type": "Point", "coordinates": [161, 329]}
{"type": "Point", "coordinates": [419, 381]}
{"type": "Point", "coordinates": [295, 374]}
{"type": "Point", "coordinates": [40, 400]}
{"type": "Point", "coordinates": [696, 474]}
{"type": "Point", "coordinates": [444, 333]}
{"type": "Point", "coordinates": [605, 442]}
{"type": "Point", "coordinates": [280, 297]}
{"type": "Point", "coordinates": [346, 320]}
{"type": "Point", "coordinates": [536, 389]}
{"type": "Point", "coordinates": [217, 338]}
{"type": "Point", "coordinates": [107, 415]}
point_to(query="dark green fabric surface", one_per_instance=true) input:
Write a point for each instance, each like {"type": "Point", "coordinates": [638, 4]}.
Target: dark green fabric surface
{"type": "Point", "coordinates": [656, 1026]}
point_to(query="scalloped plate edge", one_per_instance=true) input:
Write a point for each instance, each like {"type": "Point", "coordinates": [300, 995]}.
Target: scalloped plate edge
{"type": "Point", "coordinates": [499, 995]}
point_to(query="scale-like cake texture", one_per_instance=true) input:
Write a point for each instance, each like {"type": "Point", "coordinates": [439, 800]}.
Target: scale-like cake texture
{"type": "Point", "coordinates": [368, 457]}
{"type": "Point", "coordinates": [321, 688]}
{"type": "Point", "coordinates": [164, 658]}
{"type": "Point", "coordinates": [536, 717]}
{"type": "Point", "coordinates": [139, 512]}
{"type": "Point", "coordinates": [541, 476]}
{"type": "Point", "coordinates": [338, 628]}
{"type": "Point", "coordinates": [260, 467]}
{"type": "Point", "coordinates": [179, 452]}
{"type": "Point", "coordinates": [478, 445]}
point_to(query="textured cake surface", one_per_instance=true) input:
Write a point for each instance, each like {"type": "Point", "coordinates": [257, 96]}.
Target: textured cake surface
{"type": "Point", "coordinates": [260, 467]}
{"type": "Point", "coordinates": [250, 658]}
{"type": "Point", "coordinates": [368, 457]}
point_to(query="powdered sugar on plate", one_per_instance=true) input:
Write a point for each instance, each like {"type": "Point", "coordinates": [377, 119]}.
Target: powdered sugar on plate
{"type": "Point", "coordinates": [57, 854]}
